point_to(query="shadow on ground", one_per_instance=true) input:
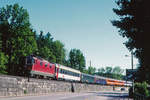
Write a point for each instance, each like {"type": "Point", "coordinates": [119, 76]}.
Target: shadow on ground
{"type": "Point", "coordinates": [112, 94]}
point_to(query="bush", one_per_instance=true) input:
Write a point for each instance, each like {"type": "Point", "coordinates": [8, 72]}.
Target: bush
{"type": "Point", "coordinates": [142, 89]}
{"type": "Point", "coordinates": [25, 91]}
{"type": "Point", "coordinates": [139, 89]}
{"type": "Point", "coordinates": [3, 62]}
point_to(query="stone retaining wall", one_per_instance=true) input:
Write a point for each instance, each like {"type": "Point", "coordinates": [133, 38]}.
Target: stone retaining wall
{"type": "Point", "coordinates": [19, 86]}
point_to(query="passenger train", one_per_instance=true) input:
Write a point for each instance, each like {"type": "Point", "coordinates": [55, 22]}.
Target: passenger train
{"type": "Point", "coordinates": [39, 67]}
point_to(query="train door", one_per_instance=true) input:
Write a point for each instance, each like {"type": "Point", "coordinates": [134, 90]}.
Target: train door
{"type": "Point", "coordinates": [56, 71]}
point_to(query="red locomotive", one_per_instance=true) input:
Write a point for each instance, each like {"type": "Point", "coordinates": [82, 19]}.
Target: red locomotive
{"type": "Point", "coordinates": [39, 67]}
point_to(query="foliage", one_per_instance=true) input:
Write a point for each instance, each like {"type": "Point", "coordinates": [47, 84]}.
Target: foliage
{"type": "Point", "coordinates": [91, 70]}
{"type": "Point", "coordinates": [141, 88]}
{"type": "Point", "coordinates": [108, 71]}
{"type": "Point", "coordinates": [85, 71]}
{"type": "Point", "coordinates": [117, 72]}
{"type": "Point", "coordinates": [76, 59]}
{"type": "Point", "coordinates": [134, 25]}
{"type": "Point", "coordinates": [17, 36]}
{"type": "Point", "coordinates": [101, 71]}
{"type": "Point", "coordinates": [44, 44]}
{"type": "Point", "coordinates": [3, 61]}
{"type": "Point", "coordinates": [59, 51]}
{"type": "Point", "coordinates": [25, 91]}
{"type": "Point", "coordinates": [18, 40]}
{"type": "Point", "coordinates": [50, 50]}
{"type": "Point", "coordinates": [112, 72]}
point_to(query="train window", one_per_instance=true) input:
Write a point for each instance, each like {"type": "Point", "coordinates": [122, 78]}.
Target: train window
{"type": "Point", "coordinates": [45, 65]}
{"type": "Point", "coordinates": [60, 70]}
{"type": "Point", "coordinates": [50, 66]}
{"type": "Point", "coordinates": [65, 72]}
{"type": "Point", "coordinates": [36, 61]}
{"type": "Point", "coordinates": [29, 60]}
{"type": "Point", "coordinates": [41, 63]}
{"type": "Point", "coordinates": [68, 72]}
{"type": "Point", "coordinates": [33, 61]}
{"type": "Point", "coordinates": [74, 74]}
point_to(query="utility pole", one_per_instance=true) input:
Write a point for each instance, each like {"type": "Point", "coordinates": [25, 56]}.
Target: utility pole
{"type": "Point", "coordinates": [90, 63]}
{"type": "Point", "coordinates": [132, 70]}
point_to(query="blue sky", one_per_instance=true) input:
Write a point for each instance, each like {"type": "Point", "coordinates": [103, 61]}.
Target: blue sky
{"type": "Point", "coordinates": [81, 24]}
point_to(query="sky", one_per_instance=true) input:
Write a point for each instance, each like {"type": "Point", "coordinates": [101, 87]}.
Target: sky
{"type": "Point", "coordinates": [80, 24]}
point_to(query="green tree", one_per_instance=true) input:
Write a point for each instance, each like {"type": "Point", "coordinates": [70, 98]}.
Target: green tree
{"type": "Point", "coordinates": [85, 71]}
{"type": "Point", "coordinates": [91, 70]}
{"type": "Point", "coordinates": [3, 62]}
{"type": "Point", "coordinates": [76, 59]}
{"type": "Point", "coordinates": [134, 25]}
{"type": "Point", "coordinates": [59, 52]}
{"type": "Point", "coordinates": [117, 72]}
{"type": "Point", "coordinates": [101, 71]}
{"type": "Point", "coordinates": [17, 36]}
{"type": "Point", "coordinates": [112, 72]}
{"type": "Point", "coordinates": [108, 70]}
{"type": "Point", "coordinates": [142, 89]}
{"type": "Point", "coordinates": [44, 44]}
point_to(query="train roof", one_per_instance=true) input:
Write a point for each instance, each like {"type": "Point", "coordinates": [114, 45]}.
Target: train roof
{"type": "Point", "coordinates": [88, 75]}
{"type": "Point", "coordinates": [67, 68]}
{"type": "Point", "coordinates": [43, 60]}
{"type": "Point", "coordinates": [108, 78]}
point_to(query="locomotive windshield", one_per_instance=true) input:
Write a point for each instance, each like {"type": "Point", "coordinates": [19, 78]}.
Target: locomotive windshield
{"type": "Point", "coordinates": [30, 60]}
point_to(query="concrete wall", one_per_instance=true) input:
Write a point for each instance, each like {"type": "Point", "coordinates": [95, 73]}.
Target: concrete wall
{"type": "Point", "coordinates": [19, 86]}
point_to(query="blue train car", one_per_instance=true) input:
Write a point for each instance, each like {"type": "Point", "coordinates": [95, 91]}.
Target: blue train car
{"type": "Point", "coordinates": [100, 80]}
{"type": "Point", "coordinates": [86, 78]}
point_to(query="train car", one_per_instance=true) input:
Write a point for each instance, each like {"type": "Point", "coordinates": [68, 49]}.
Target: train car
{"type": "Point", "coordinates": [128, 83]}
{"type": "Point", "coordinates": [100, 80]}
{"type": "Point", "coordinates": [115, 82]}
{"type": "Point", "coordinates": [86, 78]}
{"type": "Point", "coordinates": [40, 67]}
{"type": "Point", "coordinates": [67, 73]}
{"type": "Point", "coordinates": [108, 81]}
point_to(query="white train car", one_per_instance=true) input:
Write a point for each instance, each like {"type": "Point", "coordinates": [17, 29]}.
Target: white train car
{"type": "Point", "coordinates": [67, 73]}
{"type": "Point", "coordinates": [128, 83]}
